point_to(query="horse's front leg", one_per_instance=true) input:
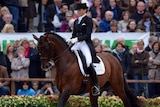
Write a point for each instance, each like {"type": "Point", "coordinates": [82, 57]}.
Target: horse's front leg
{"type": "Point", "coordinates": [93, 100]}
{"type": "Point", "coordinates": [63, 98]}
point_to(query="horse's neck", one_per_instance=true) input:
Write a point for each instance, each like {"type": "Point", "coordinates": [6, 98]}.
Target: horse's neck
{"type": "Point", "coordinates": [63, 57]}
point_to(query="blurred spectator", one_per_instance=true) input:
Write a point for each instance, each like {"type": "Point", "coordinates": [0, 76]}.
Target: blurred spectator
{"type": "Point", "coordinates": [117, 12]}
{"type": "Point", "coordinates": [104, 25]}
{"type": "Point", "coordinates": [7, 19]}
{"type": "Point", "coordinates": [73, 7]}
{"type": "Point", "coordinates": [96, 41]}
{"type": "Point", "coordinates": [16, 45]}
{"type": "Point", "coordinates": [68, 2]}
{"type": "Point", "coordinates": [139, 65]}
{"type": "Point", "coordinates": [123, 4]}
{"type": "Point", "coordinates": [156, 17]}
{"type": "Point", "coordinates": [35, 86]}
{"type": "Point", "coordinates": [97, 10]}
{"type": "Point", "coordinates": [122, 25]}
{"type": "Point", "coordinates": [4, 61]}
{"type": "Point", "coordinates": [150, 6]}
{"type": "Point", "coordinates": [98, 48]}
{"type": "Point", "coordinates": [114, 27]}
{"type": "Point", "coordinates": [32, 44]}
{"type": "Point", "coordinates": [20, 66]}
{"type": "Point", "coordinates": [105, 48]}
{"type": "Point", "coordinates": [47, 2]}
{"type": "Point", "coordinates": [58, 3]}
{"type": "Point", "coordinates": [132, 51]}
{"type": "Point", "coordinates": [132, 26]}
{"type": "Point", "coordinates": [151, 40]}
{"type": "Point", "coordinates": [13, 6]}
{"type": "Point", "coordinates": [147, 23]}
{"type": "Point", "coordinates": [3, 10]}
{"type": "Point", "coordinates": [105, 2]}
{"type": "Point", "coordinates": [123, 57]}
{"type": "Point", "coordinates": [47, 88]}
{"type": "Point", "coordinates": [71, 23]}
{"type": "Point", "coordinates": [51, 10]}
{"type": "Point", "coordinates": [35, 70]}
{"type": "Point", "coordinates": [4, 89]}
{"type": "Point", "coordinates": [23, 4]}
{"type": "Point", "coordinates": [140, 10]}
{"type": "Point", "coordinates": [25, 89]}
{"type": "Point", "coordinates": [88, 14]}
{"type": "Point", "coordinates": [95, 25]}
{"type": "Point", "coordinates": [10, 51]}
{"type": "Point", "coordinates": [122, 41]}
{"type": "Point", "coordinates": [29, 14]}
{"type": "Point", "coordinates": [153, 70]}
{"type": "Point", "coordinates": [10, 54]}
{"type": "Point", "coordinates": [65, 24]}
{"type": "Point", "coordinates": [132, 6]}
{"type": "Point", "coordinates": [60, 17]}
{"type": "Point", "coordinates": [8, 28]}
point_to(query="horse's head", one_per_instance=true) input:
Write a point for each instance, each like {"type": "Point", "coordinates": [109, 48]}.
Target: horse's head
{"type": "Point", "coordinates": [51, 47]}
{"type": "Point", "coordinates": [46, 51]}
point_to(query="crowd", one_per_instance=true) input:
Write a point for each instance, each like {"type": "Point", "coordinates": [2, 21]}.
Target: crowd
{"type": "Point", "coordinates": [59, 15]}
{"type": "Point", "coordinates": [21, 59]}
{"type": "Point", "coordinates": [138, 63]}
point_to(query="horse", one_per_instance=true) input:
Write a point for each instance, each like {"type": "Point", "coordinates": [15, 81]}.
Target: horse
{"type": "Point", "coordinates": [69, 79]}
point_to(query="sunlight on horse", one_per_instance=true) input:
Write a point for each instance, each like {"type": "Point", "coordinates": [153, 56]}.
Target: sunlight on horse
{"type": "Point", "coordinates": [53, 47]}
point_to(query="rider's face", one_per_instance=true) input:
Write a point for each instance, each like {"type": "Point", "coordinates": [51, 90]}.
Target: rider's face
{"type": "Point", "coordinates": [81, 12]}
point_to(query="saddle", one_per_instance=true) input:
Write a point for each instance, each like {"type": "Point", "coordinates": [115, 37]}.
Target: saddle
{"type": "Point", "coordinates": [98, 64]}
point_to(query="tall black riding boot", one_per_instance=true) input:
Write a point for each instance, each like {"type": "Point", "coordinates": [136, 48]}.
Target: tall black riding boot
{"type": "Point", "coordinates": [92, 73]}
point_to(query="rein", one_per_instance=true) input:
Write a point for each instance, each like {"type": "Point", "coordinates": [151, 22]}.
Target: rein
{"type": "Point", "coordinates": [55, 59]}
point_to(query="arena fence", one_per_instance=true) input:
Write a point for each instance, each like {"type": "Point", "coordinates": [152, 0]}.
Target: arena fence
{"type": "Point", "coordinates": [50, 79]}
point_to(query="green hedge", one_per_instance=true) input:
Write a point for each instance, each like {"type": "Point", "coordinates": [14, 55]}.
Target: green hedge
{"type": "Point", "coordinates": [74, 101]}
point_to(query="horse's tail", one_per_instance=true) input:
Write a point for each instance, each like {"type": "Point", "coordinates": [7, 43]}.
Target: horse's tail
{"type": "Point", "coordinates": [134, 101]}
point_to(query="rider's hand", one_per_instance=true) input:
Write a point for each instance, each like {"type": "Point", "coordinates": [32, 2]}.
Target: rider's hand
{"type": "Point", "coordinates": [72, 41]}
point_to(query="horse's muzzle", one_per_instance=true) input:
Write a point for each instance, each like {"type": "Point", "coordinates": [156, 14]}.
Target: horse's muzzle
{"type": "Point", "coordinates": [48, 66]}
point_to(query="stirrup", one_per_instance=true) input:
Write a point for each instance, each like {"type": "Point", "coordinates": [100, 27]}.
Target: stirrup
{"type": "Point", "coordinates": [95, 91]}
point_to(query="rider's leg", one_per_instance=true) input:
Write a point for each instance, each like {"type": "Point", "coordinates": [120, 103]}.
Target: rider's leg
{"type": "Point", "coordinates": [92, 73]}
{"type": "Point", "coordinates": [86, 52]}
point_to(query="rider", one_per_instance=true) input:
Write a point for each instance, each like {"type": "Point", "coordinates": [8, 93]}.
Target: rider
{"type": "Point", "coordinates": [81, 38]}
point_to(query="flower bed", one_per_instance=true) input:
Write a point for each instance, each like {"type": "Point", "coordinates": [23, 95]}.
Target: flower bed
{"type": "Point", "coordinates": [74, 101]}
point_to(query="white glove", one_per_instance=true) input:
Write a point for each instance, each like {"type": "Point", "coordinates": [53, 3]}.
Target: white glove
{"type": "Point", "coordinates": [72, 41]}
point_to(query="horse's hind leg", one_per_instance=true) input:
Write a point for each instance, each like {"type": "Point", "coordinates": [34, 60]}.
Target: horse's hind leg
{"type": "Point", "coordinates": [93, 100]}
{"type": "Point", "coordinates": [118, 87]}
{"type": "Point", "coordinates": [63, 98]}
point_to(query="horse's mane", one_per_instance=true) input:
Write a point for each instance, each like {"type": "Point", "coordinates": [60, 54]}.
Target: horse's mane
{"type": "Point", "coordinates": [58, 37]}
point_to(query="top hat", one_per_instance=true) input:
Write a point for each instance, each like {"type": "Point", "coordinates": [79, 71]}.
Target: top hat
{"type": "Point", "coordinates": [81, 6]}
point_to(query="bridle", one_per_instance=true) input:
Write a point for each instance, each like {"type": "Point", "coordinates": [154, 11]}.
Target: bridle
{"type": "Point", "coordinates": [51, 52]}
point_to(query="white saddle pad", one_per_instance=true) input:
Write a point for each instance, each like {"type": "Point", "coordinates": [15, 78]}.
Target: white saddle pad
{"type": "Point", "coordinates": [99, 67]}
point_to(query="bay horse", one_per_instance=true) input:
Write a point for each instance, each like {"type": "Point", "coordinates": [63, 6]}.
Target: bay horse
{"type": "Point", "coordinates": [53, 47]}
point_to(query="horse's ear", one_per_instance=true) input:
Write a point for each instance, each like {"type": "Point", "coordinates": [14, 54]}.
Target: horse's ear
{"type": "Point", "coordinates": [35, 37]}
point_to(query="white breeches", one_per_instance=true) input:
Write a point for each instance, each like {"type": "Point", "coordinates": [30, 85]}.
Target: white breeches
{"type": "Point", "coordinates": [85, 50]}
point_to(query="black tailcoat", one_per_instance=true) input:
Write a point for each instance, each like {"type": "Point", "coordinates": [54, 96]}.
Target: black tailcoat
{"type": "Point", "coordinates": [83, 31]}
